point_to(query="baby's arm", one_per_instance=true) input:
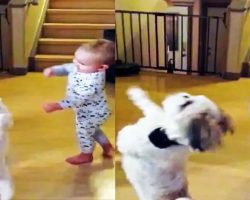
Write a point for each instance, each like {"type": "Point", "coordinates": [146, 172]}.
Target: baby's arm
{"type": "Point", "coordinates": [66, 103]}
{"type": "Point", "coordinates": [55, 106]}
{"type": "Point", "coordinates": [59, 70]}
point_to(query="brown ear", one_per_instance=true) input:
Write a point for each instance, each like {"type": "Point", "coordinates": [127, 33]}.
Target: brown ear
{"type": "Point", "coordinates": [226, 123]}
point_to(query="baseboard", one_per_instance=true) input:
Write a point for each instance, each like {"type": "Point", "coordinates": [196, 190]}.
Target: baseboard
{"type": "Point", "coordinates": [245, 70]}
{"type": "Point", "coordinates": [231, 76]}
{"type": "Point", "coordinates": [18, 71]}
{"type": "Point", "coordinates": [32, 64]}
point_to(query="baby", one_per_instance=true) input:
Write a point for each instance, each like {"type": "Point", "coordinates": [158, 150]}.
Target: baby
{"type": "Point", "coordinates": [85, 95]}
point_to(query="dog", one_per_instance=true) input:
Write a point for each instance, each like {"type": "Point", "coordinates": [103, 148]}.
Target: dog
{"type": "Point", "coordinates": [155, 149]}
{"type": "Point", "coordinates": [6, 186]}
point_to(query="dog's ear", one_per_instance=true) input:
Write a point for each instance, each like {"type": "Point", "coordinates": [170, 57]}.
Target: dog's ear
{"type": "Point", "coordinates": [159, 139]}
{"type": "Point", "coordinates": [226, 123]}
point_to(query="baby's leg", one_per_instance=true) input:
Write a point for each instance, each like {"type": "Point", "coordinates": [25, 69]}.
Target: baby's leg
{"type": "Point", "coordinates": [101, 138]}
{"type": "Point", "coordinates": [85, 133]}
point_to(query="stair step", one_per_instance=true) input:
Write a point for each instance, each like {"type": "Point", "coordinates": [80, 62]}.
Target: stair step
{"type": "Point", "coordinates": [45, 57]}
{"type": "Point", "coordinates": [81, 15]}
{"type": "Point", "coordinates": [85, 4]}
{"type": "Point", "coordinates": [43, 61]}
{"type": "Point", "coordinates": [75, 30]}
{"type": "Point", "coordinates": [64, 41]}
{"type": "Point", "coordinates": [79, 25]}
{"type": "Point", "coordinates": [60, 46]}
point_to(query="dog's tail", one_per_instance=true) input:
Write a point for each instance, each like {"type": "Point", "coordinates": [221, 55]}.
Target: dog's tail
{"type": "Point", "coordinates": [141, 99]}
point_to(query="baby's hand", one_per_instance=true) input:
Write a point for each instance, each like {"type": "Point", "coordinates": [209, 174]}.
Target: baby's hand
{"type": "Point", "coordinates": [48, 72]}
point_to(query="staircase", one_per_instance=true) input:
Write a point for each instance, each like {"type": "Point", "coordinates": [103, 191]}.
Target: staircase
{"type": "Point", "coordinates": [70, 23]}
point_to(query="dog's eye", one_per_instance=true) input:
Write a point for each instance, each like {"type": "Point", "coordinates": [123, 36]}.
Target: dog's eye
{"type": "Point", "coordinates": [186, 96]}
{"type": "Point", "coordinates": [183, 106]}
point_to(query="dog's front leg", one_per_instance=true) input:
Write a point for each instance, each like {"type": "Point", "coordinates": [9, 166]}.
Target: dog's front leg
{"type": "Point", "coordinates": [141, 99]}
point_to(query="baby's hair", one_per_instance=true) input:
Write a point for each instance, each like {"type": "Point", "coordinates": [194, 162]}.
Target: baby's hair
{"type": "Point", "coordinates": [103, 49]}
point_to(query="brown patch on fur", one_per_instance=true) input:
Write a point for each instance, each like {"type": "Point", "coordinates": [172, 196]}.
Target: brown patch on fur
{"type": "Point", "coordinates": [177, 194]}
{"type": "Point", "coordinates": [212, 130]}
{"type": "Point", "coordinates": [226, 123]}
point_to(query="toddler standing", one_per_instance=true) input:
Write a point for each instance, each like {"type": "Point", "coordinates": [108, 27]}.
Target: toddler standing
{"type": "Point", "coordinates": [85, 95]}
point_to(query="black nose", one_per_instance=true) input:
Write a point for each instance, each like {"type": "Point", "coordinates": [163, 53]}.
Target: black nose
{"type": "Point", "coordinates": [158, 137]}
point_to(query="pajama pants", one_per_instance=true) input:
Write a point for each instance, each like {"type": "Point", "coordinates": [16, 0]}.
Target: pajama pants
{"type": "Point", "coordinates": [87, 129]}
{"type": "Point", "coordinates": [88, 132]}
{"type": "Point", "coordinates": [89, 116]}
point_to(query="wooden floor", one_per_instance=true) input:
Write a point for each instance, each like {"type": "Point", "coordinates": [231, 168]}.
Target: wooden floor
{"type": "Point", "coordinates": [40, 142]}
{"type": "Point", "coordinates": [222, 175]}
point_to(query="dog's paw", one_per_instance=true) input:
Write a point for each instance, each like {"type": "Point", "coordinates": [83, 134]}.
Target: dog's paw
{"type": "Point", "coordinates": [6, 190]}
{"type": "Point", "coordinates": [136, 93]}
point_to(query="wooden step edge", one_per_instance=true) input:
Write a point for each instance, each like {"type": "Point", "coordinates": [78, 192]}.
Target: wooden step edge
{"type": "Point", "coordinates": [64, 41]}
{"type": "Point", "coordinates": [78, 25]}
{"type": "Point", "coordinates": [51, 57]}
{"type": "Point", "coordinates": [81, 11]}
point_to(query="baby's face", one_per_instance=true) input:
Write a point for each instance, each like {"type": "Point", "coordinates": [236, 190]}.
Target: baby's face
{"type": "Point", "coordinates": [86, 62]}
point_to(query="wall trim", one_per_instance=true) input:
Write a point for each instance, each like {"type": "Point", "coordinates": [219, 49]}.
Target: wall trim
{"type": "Point", "coordinates": [17, 4]}
{"type": "Point", "coordinates": [182, 2]}
{"type": "Point", "coordinates": [237, 9]}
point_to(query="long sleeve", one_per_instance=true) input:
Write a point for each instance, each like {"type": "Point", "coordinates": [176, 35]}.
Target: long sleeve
{"type": "Point", "coordinates": [63, 70]}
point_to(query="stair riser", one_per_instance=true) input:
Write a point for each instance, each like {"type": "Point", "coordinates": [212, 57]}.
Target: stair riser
{"type": "Point", "coordinates": [80, 18]}
{"type": "Point", "coordinates": [51, 32]}
{"type": "Point", "coordinates": [84, 4]}
{"type": "Point", "coordinates": [57, 49]}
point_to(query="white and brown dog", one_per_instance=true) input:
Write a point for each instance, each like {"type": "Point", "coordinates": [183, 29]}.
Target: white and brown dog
{"type": "Point", "coordinates": [6, 187]}
{"type": "Point", "coordinates": [156, 148]}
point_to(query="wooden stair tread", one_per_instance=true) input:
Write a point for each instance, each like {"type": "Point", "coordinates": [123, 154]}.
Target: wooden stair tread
{"type": "Point", "coordinates": [85, 4]}
{"type": "Point", "coordinates": [64, 41]}
{"type": "Point", "coordinates": [82, 11]}
{"type": "Point", "coordinates": [50, 57]}
{"type": "Point", "coordinates": [79, 25]}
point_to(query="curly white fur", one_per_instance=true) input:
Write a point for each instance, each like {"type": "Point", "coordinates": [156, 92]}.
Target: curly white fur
{"type": "Point", "coordinates": [160, 173]}
{"type": "Point", "coordinates": [6, 187]}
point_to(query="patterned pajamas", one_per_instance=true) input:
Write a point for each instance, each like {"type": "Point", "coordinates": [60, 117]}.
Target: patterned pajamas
{"type": "Point", "coordinates": [85, 95]}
